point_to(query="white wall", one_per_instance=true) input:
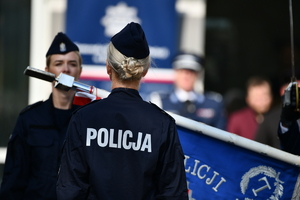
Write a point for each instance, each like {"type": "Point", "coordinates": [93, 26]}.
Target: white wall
{"type": "Point", "coordinates": [47, 19]}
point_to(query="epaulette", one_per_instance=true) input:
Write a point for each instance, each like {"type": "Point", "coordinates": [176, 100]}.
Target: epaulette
{"type": "Point", "coordinates": [31, 106]}
{"type": "Point", "coordinates": [163, 111]}
{"type": "Point", "coordinates": [92, 102]}
{"type": "Point", "coordinates": [214, 96]}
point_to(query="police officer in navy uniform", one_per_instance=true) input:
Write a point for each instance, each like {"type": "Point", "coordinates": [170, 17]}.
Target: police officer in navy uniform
{"type": "Point", "coordinates": [123, 147]}
{"type": "Point", "coordinates": [205, 107]}
{"type": "Point", "coordinates": [34, 147]}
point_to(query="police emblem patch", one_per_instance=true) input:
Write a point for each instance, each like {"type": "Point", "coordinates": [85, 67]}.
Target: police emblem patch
{"type": "Point", "coordinates": [62, 47]}
{"type": "Point", "coordinates": [265, 178]}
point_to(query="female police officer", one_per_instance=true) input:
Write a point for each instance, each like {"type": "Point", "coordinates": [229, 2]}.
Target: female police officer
{"type": "Point", "coordinates": [34, 148]}
{"type": "Point", "coordinates": [122, 147]}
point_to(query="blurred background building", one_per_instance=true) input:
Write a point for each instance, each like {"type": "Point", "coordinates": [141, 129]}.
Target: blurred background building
{"type": "Point", "coordinates": [239, 39]}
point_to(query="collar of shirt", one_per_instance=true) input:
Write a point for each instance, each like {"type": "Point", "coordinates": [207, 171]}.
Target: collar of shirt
{"type": "Point", "coordinates": [183, 95]}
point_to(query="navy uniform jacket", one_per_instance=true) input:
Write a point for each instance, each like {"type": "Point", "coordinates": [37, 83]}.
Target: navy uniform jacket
{"type": "Point", "coordinates": [122, 147]}
{"type": "Point", "coordinates": [33, 152]}
{"type": "Point", "coordinates": [290, 140]}
{"type": "Point", "coordinates": [208, 109]}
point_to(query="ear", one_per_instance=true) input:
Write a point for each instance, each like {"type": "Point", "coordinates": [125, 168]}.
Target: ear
{"type": "Point", "coordinates": [47, 69]}
{"type": "Point", "coordinates": [145, 72]}
{"type": "Point", "coordinates": [108, 69]}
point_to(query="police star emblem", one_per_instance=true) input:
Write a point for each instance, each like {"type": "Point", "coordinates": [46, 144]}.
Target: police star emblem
{"type": "Point", "coordinates": [62, 47]}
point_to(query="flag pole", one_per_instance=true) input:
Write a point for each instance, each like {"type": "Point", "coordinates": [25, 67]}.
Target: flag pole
{"type": "Point", "coordinates": [294, 79]}
{"type": "Point", "coordinates": [237, 140]}
{"type": "Point", "coordinates": [195, 126]}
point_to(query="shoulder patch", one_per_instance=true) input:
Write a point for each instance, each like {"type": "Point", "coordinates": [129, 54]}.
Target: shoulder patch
{"type": "Point", "coordinates": [164, 112]}
{"type": "Point", "coordinates": [31, 106]}
{"type": "Point", "coordinates": [86, 105]}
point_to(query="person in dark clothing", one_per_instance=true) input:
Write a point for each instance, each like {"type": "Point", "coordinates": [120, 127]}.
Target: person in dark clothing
{"type": "Point", "coordinates": [288, 129]}
{"type": "Point", "coordinates": [122, 147]}
{"type": "Point", "coordinates": [267, 131]}
{"type": "Point", "coordinates": [34, 147]}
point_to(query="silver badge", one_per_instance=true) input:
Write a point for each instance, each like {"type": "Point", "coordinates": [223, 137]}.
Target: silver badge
{"type": "Point", "coordinates": [62, 47]}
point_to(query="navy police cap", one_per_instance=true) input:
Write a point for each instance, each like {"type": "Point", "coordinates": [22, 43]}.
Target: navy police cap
{"type": "Point", "coordinates": [61, 44]}
{"type": "Point", "coordinates": [188, 61]}
{"type": "Point", "coordinates": [131, 41]}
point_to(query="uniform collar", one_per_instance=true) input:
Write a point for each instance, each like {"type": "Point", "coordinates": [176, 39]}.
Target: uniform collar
{"type": "Point", "coordinates": [50, 101]}
{"type": "Point", "coordinates": [183, 95]}
{"type": "Point", "coordinates": [129, 91]}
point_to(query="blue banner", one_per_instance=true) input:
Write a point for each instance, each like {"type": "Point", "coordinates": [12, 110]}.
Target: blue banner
{"type": "Point", "coordinates": [91, 24]}
{"type": "Point", "coordinates": [220, 170]}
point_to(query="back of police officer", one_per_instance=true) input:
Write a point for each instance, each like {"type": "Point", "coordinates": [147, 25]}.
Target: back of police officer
{"type": "Point", "coordinates": [122, 147]}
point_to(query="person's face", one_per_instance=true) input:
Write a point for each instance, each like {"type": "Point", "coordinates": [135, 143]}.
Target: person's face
{"type": "Point", "coordinates": [185, 79]}
{"type": "Point", "coordinates": [65, 63]}
{"type": "Point", "coordinates": [259, 98]}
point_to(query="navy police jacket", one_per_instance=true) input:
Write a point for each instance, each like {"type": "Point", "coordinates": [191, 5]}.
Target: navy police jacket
{"type": "Point", "coordinates": [34, 151]}
{"type": "Point", "coordinates": [122, 147]}
{"type": "Point", "coordinates": [208, 108]}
